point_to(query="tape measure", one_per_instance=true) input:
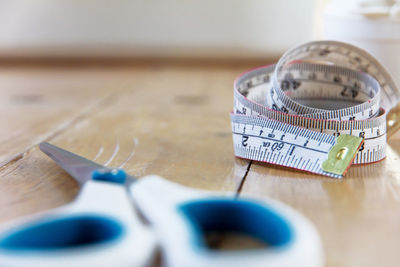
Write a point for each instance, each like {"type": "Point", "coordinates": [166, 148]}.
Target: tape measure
{"type": "Point", "coordinates": [322, 107]}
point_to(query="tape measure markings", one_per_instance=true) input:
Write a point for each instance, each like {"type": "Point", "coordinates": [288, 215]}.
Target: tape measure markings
{"type": "Point", "coordinates": [349, 56]}
{"type": "Point", "coordinates": [285, 139]}
{"type": "Point", "coordinates": [271, 98]}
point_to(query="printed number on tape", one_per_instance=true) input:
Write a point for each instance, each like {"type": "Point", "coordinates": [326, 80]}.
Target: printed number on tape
{"type": "Point", "coordinates": [321, 108]}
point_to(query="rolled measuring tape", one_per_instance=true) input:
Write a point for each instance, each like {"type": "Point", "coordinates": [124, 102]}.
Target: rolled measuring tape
{"type": "Point", "coordinates": [321, 108]}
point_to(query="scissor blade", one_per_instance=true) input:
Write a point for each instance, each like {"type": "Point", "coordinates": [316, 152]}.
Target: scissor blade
{"type": "Point", "coordinates": [78, 167]}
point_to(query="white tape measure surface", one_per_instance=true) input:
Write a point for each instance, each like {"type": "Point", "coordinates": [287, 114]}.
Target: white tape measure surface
{"type": "Point", "coordinates": [292, 113]}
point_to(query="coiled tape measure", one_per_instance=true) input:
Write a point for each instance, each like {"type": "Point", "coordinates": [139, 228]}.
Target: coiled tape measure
{"type": "Point", "coordinates": [322, 107]}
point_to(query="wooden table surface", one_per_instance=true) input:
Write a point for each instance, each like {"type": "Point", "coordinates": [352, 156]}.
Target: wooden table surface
{"type": "Point", "coordinates": [177, 113]}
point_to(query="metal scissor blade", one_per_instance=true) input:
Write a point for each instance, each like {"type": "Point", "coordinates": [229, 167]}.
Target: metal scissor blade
{"type": "Point", "coordinates": [78, 167]}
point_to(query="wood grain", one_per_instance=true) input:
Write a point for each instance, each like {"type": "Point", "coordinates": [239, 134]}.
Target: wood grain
{"type": "Point", "coordinates": [357, 217]}
{"type": "Point", "coordinates": [175, 117]}
{"type": "Point", "coordinates": [36, 104]}
{"type": "Point", "coordinates": [178, 116]}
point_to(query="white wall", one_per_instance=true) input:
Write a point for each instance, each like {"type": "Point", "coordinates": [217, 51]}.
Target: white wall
{"type": "Point", "coordinates": [213, 28]}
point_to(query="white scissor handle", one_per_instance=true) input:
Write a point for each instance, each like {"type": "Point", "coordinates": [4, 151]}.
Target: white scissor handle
{"type": "Point", "coordinates": [180, 216]}
{"type": "Point", "coordinates": [100, 228]}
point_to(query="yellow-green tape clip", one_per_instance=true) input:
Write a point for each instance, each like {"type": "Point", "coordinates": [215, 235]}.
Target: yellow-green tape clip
{"type": "Point", "coordinates": [342, 154]}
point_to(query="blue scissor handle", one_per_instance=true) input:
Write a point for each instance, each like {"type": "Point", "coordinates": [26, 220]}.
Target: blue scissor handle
{"type": "Point", "coordinates": [182, 217]}
{"type": "Point", "coordinates": [63, 232]}
{"type": "Point", "coordinates": [99, 228]}
{"type": "Point", "coordinates": [236, 216]}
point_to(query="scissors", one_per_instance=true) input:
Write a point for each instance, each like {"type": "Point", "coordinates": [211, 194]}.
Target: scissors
{"type": "Point", "coordinates": [118, 220]}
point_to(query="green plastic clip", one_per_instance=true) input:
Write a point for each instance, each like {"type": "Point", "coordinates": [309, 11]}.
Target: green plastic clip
{"type": "Point", "coordinates": [342, 154]}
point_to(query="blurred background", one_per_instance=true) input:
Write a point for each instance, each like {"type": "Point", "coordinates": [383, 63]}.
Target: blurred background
{"type": "Point", "coordinates": [252, 29]}
{"type": "Point", "coordinates": [155, 28]}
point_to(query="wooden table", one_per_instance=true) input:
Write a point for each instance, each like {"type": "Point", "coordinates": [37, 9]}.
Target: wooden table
{"type": "Point", "coordinates": [178, 115]}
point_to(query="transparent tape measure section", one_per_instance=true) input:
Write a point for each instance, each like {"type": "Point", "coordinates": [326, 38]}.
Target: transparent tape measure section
{"type": "Point", "coordinates": [293, 113]}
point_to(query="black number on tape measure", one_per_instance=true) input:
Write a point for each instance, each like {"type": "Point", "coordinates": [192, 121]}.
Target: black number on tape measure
{"type": "Point", "coordinates": [371, 94]}
{"type": "Point", "coordinates": [344, 91]}
{"type": "Point", "coordinates": [337, 79]}
{"type": "Point", "coordinates": [285, 85]}
{"type": "Point", "coordinates": [261, 131]}
{"type": "Point", "coordinates": [282, 137]}
{"type": "Point", "coordinates": [295, 84]}
{"type": "Point", "coordinates": [244, 140]}
{"type": "Point", "coordinates": [356, 88]}
{"type": "Point", "coordinates": [290, 84]}
{"type": "Point", "coordinates": [244, 111]}
{"type": "Point", "coordinates": [361, 134]}
{"type": "Point", "coordinates": [349, 92]}
{"type": "Point", "coordinates": [249, 84]}
{"type": "Point", "coordinates": [361, 147]}
{"type": "Point", "coordinates": [336, 134]}
{"type": "Point", "coordinates": [277, 146]}
{"type": "Point", "coordinates": [352, 118]}
{"type": "Point", "coordinates": [324, 52]}
{"type": "Point", "coordinates": [305, 144]}
{"type": "Point", "coordinates": [283, 109]}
